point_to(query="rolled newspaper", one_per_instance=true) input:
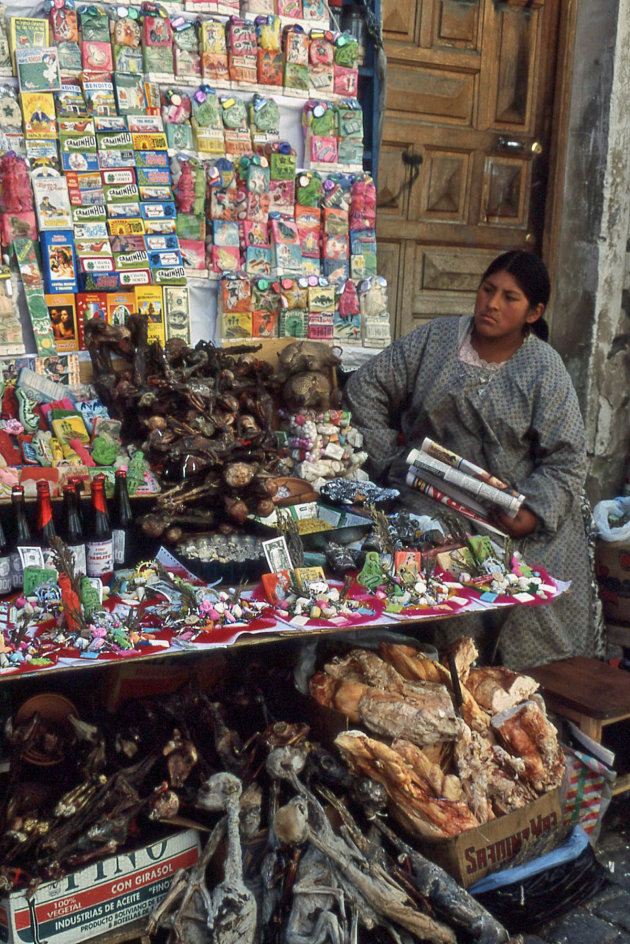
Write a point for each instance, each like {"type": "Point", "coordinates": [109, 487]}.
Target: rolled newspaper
{"type": "Point", "coordinates": [456, 461]}
{"type": "Point", "coordinates": [432, 491]}
{"type": "Point", "coordinates": [424, 463]}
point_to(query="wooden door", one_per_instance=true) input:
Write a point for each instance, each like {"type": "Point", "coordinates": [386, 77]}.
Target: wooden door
{"type": "Point", "coordinates": [465, 147]}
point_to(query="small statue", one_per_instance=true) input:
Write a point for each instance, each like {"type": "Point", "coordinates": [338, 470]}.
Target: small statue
{"type": "Point", "coordinates": [185, 189]}
{"type": "Point", "coordinates": [17, 195]}
{"type": "Point", "coordinates": [372, 574]}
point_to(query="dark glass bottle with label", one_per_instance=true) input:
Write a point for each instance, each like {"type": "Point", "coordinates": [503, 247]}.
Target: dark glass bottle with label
{"type": "Point", "coordinates": [5, 564]}
{"type": "Point", "coordinates": [22, 536]}
{"type": "Point", "coordinates": [72, 530]}
{"type": "Point", "coordinates": [122, 522]}
{"type": "Point", "coordinates": [99, 547]}
{"type": "Point", "coordinates": [45, 529]}
{"type": "Point", "coordinates": [77, 484]}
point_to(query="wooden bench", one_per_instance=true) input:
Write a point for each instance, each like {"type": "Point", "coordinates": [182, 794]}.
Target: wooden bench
{"type": "Point", "coordinates": [590, 693]}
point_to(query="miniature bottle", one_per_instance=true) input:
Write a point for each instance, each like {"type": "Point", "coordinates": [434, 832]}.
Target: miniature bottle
{"type": "Point", "coordinates": [99, 546]}
{"type": "Point", "coordinates": [122, 521]}
{"type": "Point", "coordinates": [45, 530]}
{"type": "Point", "coordinates": [5, 564]}
{"type": "Point", "coordinates": [22, 536]}
{"type": "Point", "coordinates": [72, 529]}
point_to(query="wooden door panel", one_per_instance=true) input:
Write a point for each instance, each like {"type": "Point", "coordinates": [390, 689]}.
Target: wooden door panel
{"type": "Point", "coordinates": [447, 186]}
{"type": "Point", "coordinates": [506, 186]}
{"type": "Point", "coordinates": [389, 266]}
{"type": "Point", "coordinates": [431, 93]}
{"type": "Point", "coordinates": [442, 281]}
{"type": "Point", "coordinates": [518, 44]}
{"type": "Point", "coordinates": [400, 19]}
{"type": "Point", "coordinates": [468, 86]}
{"type": "Point", "coordinates": [455, 24]}
{"type": "Point", "coordinates": [393, 199]}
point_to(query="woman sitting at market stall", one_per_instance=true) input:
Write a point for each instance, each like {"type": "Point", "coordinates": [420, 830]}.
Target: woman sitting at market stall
{"type": "Point", "coordinates": [490, 388]}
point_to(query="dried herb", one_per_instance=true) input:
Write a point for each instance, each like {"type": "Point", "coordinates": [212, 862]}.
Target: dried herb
{"type": "Point", "coordinates": [287, 526]}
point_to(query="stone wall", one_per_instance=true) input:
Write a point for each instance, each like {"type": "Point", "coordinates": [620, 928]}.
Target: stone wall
{"type": "Point", "coordinates": [591, 309]}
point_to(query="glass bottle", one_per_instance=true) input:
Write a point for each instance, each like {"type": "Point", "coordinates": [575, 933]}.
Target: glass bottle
{"type": "Point", "coordinates": [99, 546]}
{"type": "Point", "coordinates": [354, 22]}
{"type": "Point", "coordinates": [45, 529]}
{"type": "Point", "coordinates": [72, 529]}
{"type": "Point", "coordinates": [122, 521]}
{"type": "Point", "coordinates": [77, 484]}
{"type": "Point", "coordinates": [22, 536]}
{"type": "Point", "coordinates": [5, 564]}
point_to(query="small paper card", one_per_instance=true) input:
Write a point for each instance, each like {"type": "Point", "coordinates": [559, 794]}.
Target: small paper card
{"type": "Point", "coordinates": [277, 554]}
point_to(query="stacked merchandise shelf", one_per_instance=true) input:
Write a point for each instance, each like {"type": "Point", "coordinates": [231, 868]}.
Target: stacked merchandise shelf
{"type": "Point", "coordinates": [150, 152]}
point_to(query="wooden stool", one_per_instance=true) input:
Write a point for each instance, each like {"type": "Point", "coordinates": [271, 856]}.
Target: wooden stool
{"type": "Point", "coordinates": [593, 694]}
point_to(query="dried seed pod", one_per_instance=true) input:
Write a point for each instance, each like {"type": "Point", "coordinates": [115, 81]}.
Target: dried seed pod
{"type": "Point", "coordinates": [238, 475]}
{"type": "Point", "coordinates": [156, 422]}
{"type": "Point", "coordinates": [173, 534]}
{"type": "Point", "coordinates": [264, 507]}
{"type": "Point", "coordinates": [248, 424]}
{"type": "Point", "coordinates": [153, 525]}
{"type": "Point", "coordinates": [237, 509]}
{"type": "Point", "coordinates": [265, 487]}
{"type": "Point", "coordinates": [226, 527]}
{"type": "Point", "coordinates": [229, 402]}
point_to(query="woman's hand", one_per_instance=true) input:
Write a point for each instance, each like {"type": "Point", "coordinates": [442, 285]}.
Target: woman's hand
{"type": "Point", "coordinates": [524, 523]}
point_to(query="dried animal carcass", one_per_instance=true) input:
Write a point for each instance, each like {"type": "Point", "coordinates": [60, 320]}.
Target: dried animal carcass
{"type": "Point", "coordinates": [414, 801]}
{"type": "Point", "coordinates": [304, 368]}
{"type": "Point", "coordinates": [374, 897]}
{"type": "Point", "coordinates": [365, 688]}
{"type": "Point", "coordinates": [526, 732]}
{"type": "Point", "coordinates": [232, 918]}
{"type": "Point", "coordinates": [204, 418]}
{"type": "Point", "coordinates": [482, 765]}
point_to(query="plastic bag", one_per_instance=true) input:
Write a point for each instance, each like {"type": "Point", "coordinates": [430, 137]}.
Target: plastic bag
{"type": "Point", "coordinates": [618, 508]}
{"type": "Point", "coordinates": [527, 896]}
{"type": "Point", "coordinates": [587, 791]}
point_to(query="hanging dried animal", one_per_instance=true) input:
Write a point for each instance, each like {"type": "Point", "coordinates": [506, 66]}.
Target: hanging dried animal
{"type": "Point", "coordinates": [203, 418]}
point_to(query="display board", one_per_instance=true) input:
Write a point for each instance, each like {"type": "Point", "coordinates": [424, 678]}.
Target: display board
{"type": "Point", "coordinates": [150, 156]}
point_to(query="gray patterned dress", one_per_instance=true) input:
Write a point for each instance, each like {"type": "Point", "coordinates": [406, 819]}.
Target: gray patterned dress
{"type": "Point", "coordinates": [523, 423]}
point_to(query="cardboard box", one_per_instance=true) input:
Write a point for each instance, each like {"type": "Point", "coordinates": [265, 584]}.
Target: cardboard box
{"type": "Point", "coordinates": [474, 852]}
{"type": "Point", "coordinates": [106, 894]}
{"type": "Point", "coordinates": [490, 848]}
{"type": "Point", "coordinates": [612, 567]}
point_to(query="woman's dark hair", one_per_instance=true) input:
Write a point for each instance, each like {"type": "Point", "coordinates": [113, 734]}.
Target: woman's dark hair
{"type": "Point", "coordinates": [533, 280]}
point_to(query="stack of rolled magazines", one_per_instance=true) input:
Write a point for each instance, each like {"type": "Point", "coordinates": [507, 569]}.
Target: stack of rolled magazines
{"type": "Point", "coordinates": [464, 487]}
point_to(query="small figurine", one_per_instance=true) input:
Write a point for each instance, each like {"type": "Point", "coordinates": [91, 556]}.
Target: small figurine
{"type": "Point", "coordinates": [17, 195]}
{"type": "Point", "coordinates": [185, 189]}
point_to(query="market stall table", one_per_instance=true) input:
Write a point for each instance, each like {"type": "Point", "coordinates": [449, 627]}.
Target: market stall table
{"type": "Point", "coordinates": [266, 629]}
